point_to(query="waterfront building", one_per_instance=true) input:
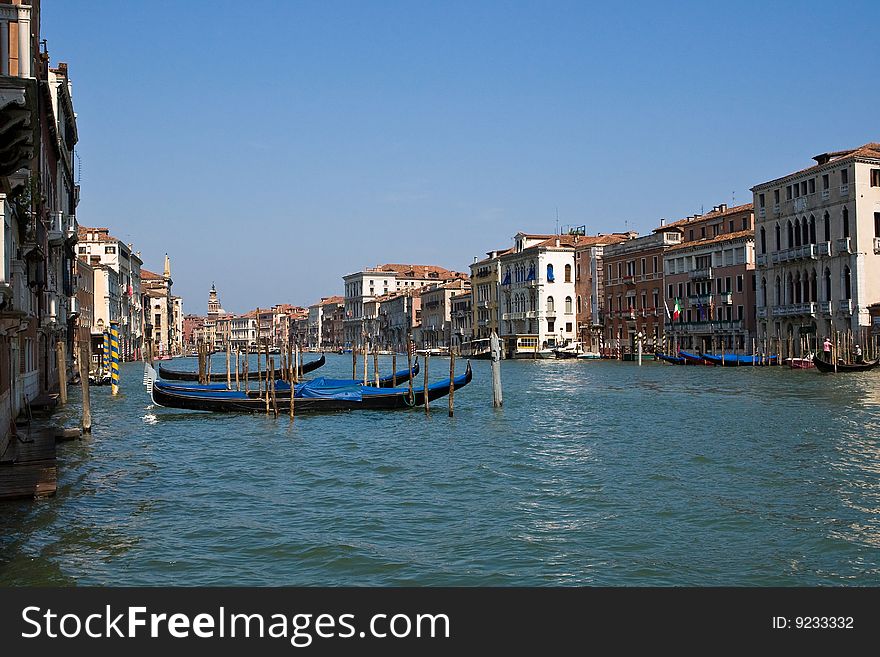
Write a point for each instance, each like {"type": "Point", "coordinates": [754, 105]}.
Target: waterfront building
{"type": "Point", "coordinates": [106, 299]}
{"type": "Point", "coordinates": [364, 286]}
{"type": "Point", "coordinates": [589, 286]}
{"type": "Point", "coordinates": [243, 331]}
{"type": "Point", "coordinates": [193, 332]}
{"type": "Point", "coordinates": [486, 283]}
{"type": "Point", "coordinates": [537, 294]}
{"type": "Point", "coordinates": [320, 314]}
{"type": "Point", "coordinates": [461, 319]}
{"type": "Point", "coordinates": [711, 276]}
{"type": "Point", "coordinates": [818, 241]}
{"type": "Point", "coordinates": [162, 326]}
{"type": "Point", "coordinates": [98, 247]}
{"type": "Point", "coordinates": [436, 320]}
{"type": "Point", "coordinates": [333, 318]}
{"type": "Point", "coordinates": [400, 315]}
{"type": "Point", "coordinates": [84, 307]}
{"type": "Point", "coordinates": [633, 290]}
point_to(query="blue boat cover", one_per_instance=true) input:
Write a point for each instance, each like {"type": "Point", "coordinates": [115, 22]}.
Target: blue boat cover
{"type": "Point", "coordinates": [323, 388]}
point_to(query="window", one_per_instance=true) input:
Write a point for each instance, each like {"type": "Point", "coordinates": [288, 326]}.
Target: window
{"type": "Point", "coordinates": [760, 200]}
{"type": "Point", "coordinates": [846, 223]}
{"type": "Point", "coordinates": [727, 287]}
{"type": "Point", "coordinates": [803, 188]}
{"type": "Point", "coordinates": [812, 185]}
{"type": "Point", "coordinates": [702, 231]}
{"type": "Point", "coordinates": [827, 222]}
{"type": "Point", "coordinates": [579, 304]}
{"type": "Point", "coordinates": [157, 320]}
{"type": "Point", "coordinates": [739, 283]}
{"type": "Point", "coordinates": [745, 223]}
{"type": "Point", "coordinates": [83, 249]}
{"type": "Point", "coordinates": [877, 224]}
{"type": "Point", "coordinates": [568, 305]}
{"type": "Point", "coordinates": [718, 285]}
{"type": "Point", "coordinates": [825, 181]}
{"type": "Point", "coordinates": [763, 240]}
{"type": "Point", "coordinates": [109, 249]}
{"type": "Point", "coordinates": [568, 327]}
{"type": "Point", "coordinates": [844, 177]}
{"type": "Point", "coordinates": [644, 266]}
{"type": "Point", "coordinates": [670, 292]}
{"type": "Point", "coordinates": [568, 273]}
{"type": "Point", "coordinates": [778, 239]}
{"type": "Point", "coordinates": [875, 177]}
{"type": "Point", "coordinates": [739, 313]}
{"type": "Point", "coordinates": [731, 227]}
{"type": "Point", "coordinates": [688, 288]}
{"type": "Point", "coordinates": [550, 305]}
{"type": "Point", "coordinates": [551, 325]}
{"type": "Point", "coordinates": [776, 196]}
{"type": "Point", "coordinates": [550, 277]}
{"type": "Point", "coordinates": [95, 260]}
{"type": "Point", "coordinates": [847, 283]}
{"type": "Point", "coordinates": [655, 265]}
{"type": "Point", "coordinates": [691, 234]}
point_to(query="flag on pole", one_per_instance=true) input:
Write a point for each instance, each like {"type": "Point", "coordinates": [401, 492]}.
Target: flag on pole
{"type": "Point", "coordinates": [666, 306]}
{"type": "Point", "coordinates": [676, 311]}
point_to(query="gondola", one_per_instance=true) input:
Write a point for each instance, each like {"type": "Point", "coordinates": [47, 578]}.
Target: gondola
{"type": "Point", "coordinates": [318, 395]}
{"type": "Point", "coordinates": [825, 366]}
{"type": "Point", "coordinates": [282, 388]}
{"type": "Point", "coordinates": [666, 358]}
{"type": "Point", "coordinates": [734, 360]}
{"type": "Point", "coordinates": [692, 359]}
{"type": "Point", "coordinates": [179, 375]}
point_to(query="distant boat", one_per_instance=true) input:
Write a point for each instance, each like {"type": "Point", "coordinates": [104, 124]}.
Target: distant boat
{"type": "Point", "coordinates": [692, 359]}
{"type": "Point", "coordinates": [589, 355]}
{"type": "Point", "coordinates": [734, 360]}
{"type": "Point", "coordinates": [825, 366]}
{"type": "Point", "coordinates": [434, 351]}
{"type": "Point", "coordinates": [675, 360]}
{"type": "Point", "coordinates": [570, 350]}
{"type": "Point", "coordinates": [804, 363]}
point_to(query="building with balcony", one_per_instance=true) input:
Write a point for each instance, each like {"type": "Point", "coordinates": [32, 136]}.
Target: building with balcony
{"type": "Point", "coordinates": [243, 331]}
{"type": "Point", "coordinates": [486, 286]}
{"type": "Point", "coordinates": [711, 275]}
{"type": "Point", "coordinates": [818, 248]}
{"type": "Point", "coordinates": [162, 310]}
{"type": "Point", "coordinates": [436, 321]}
{"type": "Point", "coordinates": [537, 292]}
{"type": "Point", "coordinates": [633, 290]}
{"type": "Point", "coordinates": [364, 286]}
{"type": "Point", "coordinates": [461, 318]}
{"type": "Point", "coordinates": [589, 284]}
{"type": "Point", "coordinates": [400, 314]}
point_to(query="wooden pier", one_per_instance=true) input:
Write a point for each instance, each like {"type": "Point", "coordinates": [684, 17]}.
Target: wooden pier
{"type": "Point", "coordinates": [28, 469]}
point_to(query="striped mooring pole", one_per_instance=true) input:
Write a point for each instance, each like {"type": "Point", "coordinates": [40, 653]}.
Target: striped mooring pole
{"type": "Point", "coordinates": [105, 358]}
{"type": "Point", "coordinates": [114, 358]}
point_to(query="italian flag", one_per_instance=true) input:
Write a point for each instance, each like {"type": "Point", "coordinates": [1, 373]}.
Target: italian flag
{"type": "Point", "coordinates": [676, 310]}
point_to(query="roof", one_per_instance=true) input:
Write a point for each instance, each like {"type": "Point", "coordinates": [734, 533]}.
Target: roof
{"type": "Point", "coordinates": [146, 274]}
{"type": "Point", "coordinates": [83, 233]}
{"type": "Point", "coordinates": [723, 237]}
{"type": "Point", "coordinates": [709, 216]}
{"type": "Point", "coordinates": [870, 151]}
{"type": "Point", "coordinates": [418, 271]}
{"type": "Point", "coordinates": [336, 299]}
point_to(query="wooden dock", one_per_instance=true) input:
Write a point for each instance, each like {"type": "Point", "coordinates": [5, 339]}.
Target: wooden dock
{"type": "Point", "coordinates": [28, 469]}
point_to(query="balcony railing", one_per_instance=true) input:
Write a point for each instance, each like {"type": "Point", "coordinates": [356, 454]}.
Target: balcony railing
{"type": "Point", "coordinates": [761, 259]}
{"type": "Point", "coordinates": [795, 253]}
{"type": "Point", "coordinates": [826, 194]}
{"type": "Point", "coordinates": [531, 314]}
{"type": "Point", "coordinates": [725, 298]}
{"type": "Point", "coordinates": [700, 274]}
{"type": "Point", "coordinates": [877, 246]}
{"type": "Point", "coordinates": [512, 316]}
{"type": "Point", "coordinates": [777, 209]}
{"type": "Point", "coordinates": [823, 249]}
{"type": "Point", "coordinates": [845, 307]}
{"type": "Point", "coordinates": [844, 190]}
{"type": "Point", "coordinates": [795, 309]}
{"type": "Point", "coordinates": [762, 212]}
{"type": "Point", "coordinates": [482, 304]}
{"type": "Point", "coordinates": [704, 299]}
{"type": "Point", "coordinates": [761, 312]}
{"type": "Point", "coordinates": [823, 307]}
{"type": "Point", "coordinates": [710, 326]}
{"type": "Point", "coordinates": [844, 245]}
{"type": "Point", "coordinates": [550, 314]}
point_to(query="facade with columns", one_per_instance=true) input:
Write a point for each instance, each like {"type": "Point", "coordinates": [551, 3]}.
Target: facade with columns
{"type": "Point", "coordinates": [818, 248]}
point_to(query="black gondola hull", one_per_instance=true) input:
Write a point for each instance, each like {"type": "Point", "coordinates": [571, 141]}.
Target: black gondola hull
{"type": "Point", "coordinates": [848, 368]}
{"type": "Point", "coordinates": [178, 375]}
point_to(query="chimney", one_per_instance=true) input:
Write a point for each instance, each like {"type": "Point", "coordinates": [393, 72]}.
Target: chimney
{"type": "Point", "coordinates": [557, 241]}
{"type": "Point", "coordinates": [662, 222]}
{"type": "Point", "coordinates": [722, 207]}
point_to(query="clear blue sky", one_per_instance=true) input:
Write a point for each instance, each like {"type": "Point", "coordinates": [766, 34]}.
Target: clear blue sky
{"type": "Point", "coordinates": [272, 147]}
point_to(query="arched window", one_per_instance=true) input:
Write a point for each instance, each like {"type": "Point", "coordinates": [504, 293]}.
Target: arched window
{"type": "Point", "coordinates": [812, 229]}
{"type": "Point", "coordinates": [763, 240]}
{"type": "Point", "coordinates": [846, 224]}
{"type": "Point", "coordinates": [550, 307]}
{"type": "Point", "coordinates": [550, 278]}
{"type": "Point", "coordinates": [764, 292]}
{"type": "Point", "coordinates": [847, 283]}
{"type": "Point", "coordinates": [797, 233]}
{"type": "Point", "coordinates": [797, 288]}
{"type": "Point", "coordinates": [778, 238]}
{"type": "Point", "coordinates": [827, 284]}
{"type": "Point", "coordinates": [790, 289]}
{"type": "Point", "coordinates": [790, 234]}
{"type": "Point", "coordinates": [568, 273]}
{"type": "Point", "coordinates": [579, 304]}
{"type": "Point", "coordinates": [778, 291]}
{"type": "Point", "coordinates": [805, 231]}
{"type": "Point", "coordinates": [827, 221]}
{"type": "Point", "coordinates": [814, 289]}
{"type": "Point", "coordinates": [567, 304]}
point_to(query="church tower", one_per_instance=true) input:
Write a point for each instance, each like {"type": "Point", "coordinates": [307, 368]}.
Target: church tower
{"type": "Point", "coordinates": [213, 303]}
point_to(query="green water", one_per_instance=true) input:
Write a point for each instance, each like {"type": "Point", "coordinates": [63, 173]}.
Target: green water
{"type": "Point", "coordinates": [594, 473]}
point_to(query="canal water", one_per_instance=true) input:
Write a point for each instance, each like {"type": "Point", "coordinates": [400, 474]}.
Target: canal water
{"type": "Point", "coordinates": [594, 473]}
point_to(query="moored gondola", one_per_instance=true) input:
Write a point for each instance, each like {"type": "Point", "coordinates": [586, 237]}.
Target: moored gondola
{"type": "Point", "coordinates": [179, 375]}
{"type": "Point", "coordinates": [674, 360]}
{"type": "Point", "coordinates": [318, 395]}
{"type": "Point", "coordinates": [847, 368]}
{"type": "Point", "coordinates": [734, 360]}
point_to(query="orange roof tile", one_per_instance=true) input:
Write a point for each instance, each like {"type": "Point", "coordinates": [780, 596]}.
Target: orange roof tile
{"type": "Point", "coordinates": [715, 214]}
{"type": "Point", "coordinates": [723, 237]}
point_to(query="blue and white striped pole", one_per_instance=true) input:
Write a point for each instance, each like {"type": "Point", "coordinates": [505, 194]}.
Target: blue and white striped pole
{"type": "Point", "coordinates": [114, 358]}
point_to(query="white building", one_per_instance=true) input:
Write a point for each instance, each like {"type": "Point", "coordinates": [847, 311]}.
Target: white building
{"type": "Point", "coordinates": [243, 331]}
{"type": "Point", "coordinates": [537, 294]}
{"type": "Point", "coordinates": [818, 245]}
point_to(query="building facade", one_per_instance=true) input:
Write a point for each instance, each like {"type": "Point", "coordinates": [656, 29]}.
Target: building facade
{"type": "Point", "coordinates": [818, 241]}
{"type": "Point", "coordinates": [589, 279]}
{"type": "Point", "coordinates": [436, 320]}
{"type": "Point", "coordinates": [486, 282]}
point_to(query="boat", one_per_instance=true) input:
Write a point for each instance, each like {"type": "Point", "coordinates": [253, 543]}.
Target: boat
{"type": "Point", "coordinates": [434, 351]}
{"type": "Point", "coordinates": [825, 366]}
{"type": "Point", "coordinates": [803, 363]}
{"type": "Point", "coordinates": [734, 360]}
{"type": "Point", "coordinates": [675, 360]}
{"type": "Point", "coordinates": [282, 388]}
{"type": "Point", "coordinates": [99, 378]}
{"type": "Point", "coordinates": [589, 355]}
{"type": "Point", "coordinates": [479, 349]}
{"type": "Point", "coordinates": [570, 350]}
{"type": "Point", "coordinates": [692, 359]}
{"type": "Point", "coordinates": [546, 353]}
{"type": "Point", "coordinates": [318, 395]}
{"type": "Point", "coordinates": [179, 375]}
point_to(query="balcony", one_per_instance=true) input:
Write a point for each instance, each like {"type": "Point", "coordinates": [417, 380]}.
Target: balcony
{"type": "Point", "coordinates": [826, 194]}
{"type": "Point", "coordinates": [482, 304]}
{"type": "Point", "coordinates": [711, 326]}
{"type": "Point", "coordinates": [806, 251]}
{"type": "Point", "coordinates": [762, 312]}
{"type": "Point", "coordinates": [725, 298]}
{"type": "Point", "coordinates": [824, 249]}
{"type": "Point", "coordinates": [844, 190]}
{"type": "Point", "coordinates": [550, 314]}
{"type": "Point", "coordinates": [531, 283]}
{"type": "Point", "coordinates": [777, 209]}
{"type": "Point", "coordinates": [628, 314]}
{"type": "Point", "coordinates": [700, 274]}
{"type": "Point", "coordinates": [483, 322]}
{"type": "Point", "coordinates": [56, 228]}
{"type": "Point", "coordinates": [762, 213]}
{"type": "Point", "coordinates": [704, 299]}
{"type": "Point", "coordinates": [844, 245]}
{"type": "Point", "coordinates": [823, 307]}
{"type": "Point", "coordinates": [532, 314]}
{"type": "Point", "coordinates": [629, 279]}
{"type": "Point", "coordinates": [761, 260]}
{"type": "Point", "coordinates": [845, 307]}
{"type": "Point", "coordinates": [877, 246]}
{"type": "Point", "coordinates": [795, 309]}
{"type": "Point", "coordinates": [512, 316]}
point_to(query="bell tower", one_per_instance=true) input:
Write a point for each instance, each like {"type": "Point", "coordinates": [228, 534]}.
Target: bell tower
{"type": "Point", "coordinates": [213, 303]}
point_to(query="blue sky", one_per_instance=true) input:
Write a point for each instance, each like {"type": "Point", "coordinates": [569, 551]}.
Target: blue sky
{"type": "Point", "coordinates": [272, 147]}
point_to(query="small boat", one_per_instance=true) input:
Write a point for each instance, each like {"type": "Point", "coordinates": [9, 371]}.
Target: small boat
{"type": "Point", "coordinates": [98, 378]}
{"type": "Point", "coordinates": [734, 360]}
{"type": "Point", "coordinates": [570, 350]}
{"type": "Point", "coordinates": [179, 375]}
{"type": "Point", "coordinates": [589, 355]}
{"type": "Point", "coordinates": [318, 395]}
{"type": "Point", "coordinates": [434, 351]}
{"type": "Point", "coordinates": [825, 366]}
{"type": "Point", "coordinates": [546, 353]}
{"type": "Point", "coordinates": [693, 359]}
{"type": "Point", "coordinates": [804, 363]}
{"type": "Point", "coordinates": [675, 360]}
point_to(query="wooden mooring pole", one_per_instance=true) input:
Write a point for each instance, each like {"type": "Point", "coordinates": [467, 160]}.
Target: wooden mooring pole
{"type": "Point", "coordinates": [84, 360]}
{"type": "Point", "coordinates": [495, 346]}
{"type": "Point", "coordinates": [61, 358]}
